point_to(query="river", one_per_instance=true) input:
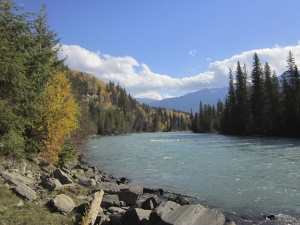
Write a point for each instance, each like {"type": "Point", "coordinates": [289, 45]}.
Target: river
{"type": "Point", "coordinates": [244, 175]}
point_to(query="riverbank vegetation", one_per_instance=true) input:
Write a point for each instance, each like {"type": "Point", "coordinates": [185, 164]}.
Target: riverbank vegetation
{"type": "Point", "coordinates": [47, 109]}
{"type": "Point", "coordinates": [259, 104]}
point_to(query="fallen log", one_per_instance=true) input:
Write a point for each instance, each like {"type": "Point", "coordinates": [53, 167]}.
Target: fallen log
{"type": "Point", "coordinates": [95, 206]}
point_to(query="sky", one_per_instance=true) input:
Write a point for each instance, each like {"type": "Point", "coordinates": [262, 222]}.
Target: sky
{"type": "Point", "coordinates": [166, 48]}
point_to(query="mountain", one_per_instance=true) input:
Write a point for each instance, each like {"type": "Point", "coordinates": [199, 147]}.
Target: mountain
{"type": "Point", "coordinates": [192, 100]}
{"type": "Point", "coordinates": [147, 101]}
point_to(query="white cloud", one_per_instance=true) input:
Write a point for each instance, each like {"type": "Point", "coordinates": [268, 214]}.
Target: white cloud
{"type": "Point", "coordinates": [192, 52]}
{"type": "Point", "coordinates": [149, 94]}
{"type": "Point", "coordinates": [140, 81]}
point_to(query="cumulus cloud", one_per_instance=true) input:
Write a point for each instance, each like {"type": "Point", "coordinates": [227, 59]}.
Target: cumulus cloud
{"type": "Point", "coordinates": [140, 81]}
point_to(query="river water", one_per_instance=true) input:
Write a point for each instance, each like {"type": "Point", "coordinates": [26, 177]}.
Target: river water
{"type": "Point", "coordinates": [244, 175]}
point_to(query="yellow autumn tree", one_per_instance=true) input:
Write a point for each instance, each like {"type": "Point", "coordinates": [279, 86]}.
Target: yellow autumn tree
{"type": "Point", "coordinates": [60, 114]}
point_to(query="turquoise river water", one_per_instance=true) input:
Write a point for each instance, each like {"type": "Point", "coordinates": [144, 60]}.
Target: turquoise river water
{"type": "Point", "coordinates": [244, 175]}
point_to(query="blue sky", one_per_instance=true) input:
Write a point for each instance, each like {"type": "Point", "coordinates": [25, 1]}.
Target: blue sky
{"type": "Point", "coordinates": [165, 48]}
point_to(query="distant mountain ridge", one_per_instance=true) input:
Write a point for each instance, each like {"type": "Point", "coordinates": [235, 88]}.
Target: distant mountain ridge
{"type": "Point", "coordinates": [190, 101]}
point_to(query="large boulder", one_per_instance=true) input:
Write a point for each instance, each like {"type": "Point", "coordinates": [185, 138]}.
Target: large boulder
{"type": "Point", "coordinates": [26, 191]}
{"type": "Point", "coordinates": [16, 178]}
{"type": "Point", "coordinates": [150, 203]}
{"type": "Point", "coordinates": [63, 203]}
{"type": "Point", "coordinates": [130, 198]}
{"type": "Point", "coordinates": [136, 216]}
{"type": "Point", "coordinates": [115, 219]}
{"type": "Point", "coordinates": [134, 188]}
{"type": "Point", "coordinates": [107, 187]}
{"type": "Point", "coordinates": [51, 184]}
{"type": "Point", "coordinates": [174, 214]}
{"type": "Point", "coordinates": [110, 200]}
{"type": "Point", "coordinates": [85, 181]}
{"type": "Point", "coordinates": [147, 201]}
{"type": "Point", "coordinates": [62, 177]}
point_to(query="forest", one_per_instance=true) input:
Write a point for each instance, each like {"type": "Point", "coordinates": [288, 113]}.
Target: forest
{"type": "Point", "coordinates": [47, 109]}
{"type": "Point", "coordinates": [259, 104]}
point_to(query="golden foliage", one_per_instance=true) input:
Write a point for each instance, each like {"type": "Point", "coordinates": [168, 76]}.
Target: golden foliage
{"type": "Point", "coordinates": [60, 115]}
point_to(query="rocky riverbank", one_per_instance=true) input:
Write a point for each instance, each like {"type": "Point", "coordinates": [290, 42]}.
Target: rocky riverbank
{"type": "Point", "coordinates": [86, 195]}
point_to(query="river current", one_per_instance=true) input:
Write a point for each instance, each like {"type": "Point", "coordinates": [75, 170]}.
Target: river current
{"type": "Point", "coordinates": [244, 175]}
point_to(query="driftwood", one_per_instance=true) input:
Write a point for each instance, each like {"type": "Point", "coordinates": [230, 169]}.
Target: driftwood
{"type": "Point", "coordinates": [162, 191]}
{"type": "Point", "coordinates": [95, 206]}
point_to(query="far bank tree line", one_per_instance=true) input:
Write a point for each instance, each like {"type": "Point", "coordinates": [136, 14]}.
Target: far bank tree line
{"type": "Point", "coordinates": [259, 104]}
{"type": "Point", "coordinates": [109, 110]}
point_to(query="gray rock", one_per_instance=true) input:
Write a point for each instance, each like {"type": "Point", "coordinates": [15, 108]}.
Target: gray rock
{"type": "Point", "coordinates": [107, 187]}
{"type": "Point", "coordinates": [82, 179]}
{"type": "Point", "coordinates": [57, 185]}
{"type": "Point", "coordinates": [150, 203]}
{"type": "Point", "coordinates": [89, 172]}
{"type": "Point", "coordinates": [147, 201]}
{"type": "Point", "coordinates": [179, 199]}
{"type": "Point", "coordinates": [80, 171]}
{"type": "Point", "coordinates": [51, 184]}
{"type": "Point", "coordinates": [23, 166]}
{"type": "Point", "coordinates": [230, 223]}
{"type": "Point", "coordinates": [130, 198]}
{"type": "Point", "coordinates": [115, 219]}
{"type": "Point", "coordinates": [62, 177]}
{"type": "Point", "coordinates": [29, 175]}
{"type": "Point", "coordinates": [166, 208]}
{"type": "Point", "coordinates": [171, 214]}
{"type": "Point", "coordinates": [110, 200]}
{"type": "Point", "coordinates": [116, 210]}
{"type": "Point", "coordinates": [138, 189]}
{"type": "Point", "coordinates": [63, 203]}
{"type": "Point", "coordinates": [26, 191]}
{"type": "Point", "coordinates": [16, 178]}
{"type": "Point", "coordinates": [136, 216]}
{"type": "Point", "coordinates": [92, 182]}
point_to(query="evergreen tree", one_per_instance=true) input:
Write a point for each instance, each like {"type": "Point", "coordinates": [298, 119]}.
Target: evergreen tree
{"type": "Point", "coordinates": [242, 102]}
{"type": "Point", "coordinates": [229, 119]}
{"type": "Point", "coordinates": [257, 97]}
{"type": "Point", "coordinates": [292, 94]}
{"type": "Point", "coordinates": [15, 39]}
{"type": "Point", "coordinates": [201, 118]}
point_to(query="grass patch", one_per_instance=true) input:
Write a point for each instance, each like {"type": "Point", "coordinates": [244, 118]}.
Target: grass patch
{"type": "Point", "coordinates": [31, 213]}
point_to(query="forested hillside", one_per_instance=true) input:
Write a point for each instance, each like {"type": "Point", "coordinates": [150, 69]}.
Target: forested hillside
{"type": "Point", "coordinates": [258, 104]}
{"type": "Point", "coordinates": [107, 109]}
{"type": "Point", "coordinates": [46, 109]}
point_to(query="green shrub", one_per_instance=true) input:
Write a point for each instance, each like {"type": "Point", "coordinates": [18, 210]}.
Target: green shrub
{"type": "Point", "coordinates": [12, 144]}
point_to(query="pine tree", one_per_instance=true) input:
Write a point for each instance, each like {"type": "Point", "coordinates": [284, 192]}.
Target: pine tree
{"type": "Point", "coordinates": [15, 38]}
{"type": "Point", "coordinates": [257, 97]}
{"type": "Point", "coordinates": [43, 59]}
{"type": "Point", "coordinates": [229, 121]}
{"type": "Point", "coordinates": [242, 102]}
{"type": "Point", "coordinates": [292, 92]}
